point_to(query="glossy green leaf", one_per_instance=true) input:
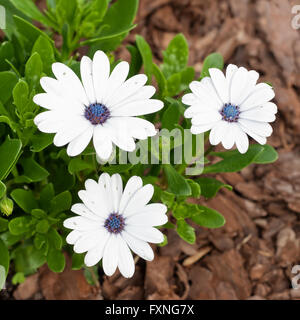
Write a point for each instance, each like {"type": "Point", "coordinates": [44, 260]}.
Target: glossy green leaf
{"type": "Point", "coordinates": [42, 226]}
{"type": "Point", "coordinates": [56, 260]}
{"type": "Point", "coordinates": [55, 239]}
{"type": "Point", "coordinates": [44, 47]}
{"type": "Point", "coordinates": [77, 165]}
{"type": "Point", "coordinates": [4, 257]}
{"type": "Point", "coordinates": [34, 69]}
{"type": "Point", "coordinates": [20, 225]}
{"type": "Point", "coordinates": [2, 189]}
{"type": "Point", "coordinates": [8, 80]}
{"type": "Point", "coordinates": [10, 151]}
{"type": "Point", "coordinates": [196, 189]}
{"type": "Point", "coordinates": [33, 172]}
{"type": "Point", "coordinates": [41, 141]}
{"type": "Point", "coordinates": [170, 117]}
{"type": "Point", "coordinates": [210, 186]}
{"type": "Point", "coordinates": [208, 218]}
{"type": "Point", "coordinates": [61, 202]}
{"type": "Point", "coordinates": [176, 182]}
{"type": "Point", "coordinates": [77, 261]}
{"type": "Point", "coordinates": [185, 231]}
{"type": "Point", "coordinates": [214, 60]}
{"type": "Point", "coordinates": [24, 199]}
{"type": "Point", "coordinates": [3, 224]}
{"type": "Point", "coordinates": [175, 57]}
{"type": "Point", "coordinates": [146, 54]}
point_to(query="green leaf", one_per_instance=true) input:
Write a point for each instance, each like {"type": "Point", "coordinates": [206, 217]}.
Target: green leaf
{"type": "Point", "coordinates": [196, 189]}
{"type": "Point", "coordinates": [268, 155]}
{"type": "Point", "coordinates": [176, 182]}
{"type": "Point", "coordinates": [30, 10]}
{"type": "Point", "coordinates": [20, 95]}
{"type": "Point", "coordinates": [176, 56]}
{"type": "Point", "coordinates": [146, 54]}
{"type": "Point", "coordinates": [61, 202]}
{"type": "Point", "coordinates": [10, 151]}
{"type": "Point", "coordinates": [6, 52]}
{"type": "Point", "coordinates": [3, 224]}
{"type": "Point", "coordinates": [160, 79]}
{"type": "Point", "coordinates": [18, 278]}
{"type": "Point", "coordinates": [24, 199]}
{"type": "Point", "coordinates": [8, 80]}
{"type": "Point", "coordinates": [2, 189]}
{"type": "Point", "coordinates": [41, 141]}
{"type": "Point", "coordinates": [46, 195]}
{"type": "Point", "coordinates": [4, 257]}
{"type": "Point", "coordinates": [164, 243]}
{"type": "Point", "coordinates": [44, 48]}
{"type": "Point", "coordinates": [77, 165]}
{"type": "Point", "coordinates": [34, 69]}
{"type": "Point", "coordinates": [210, 186]}
{"type": "Point", "coordinates": [55, 239]}
{"type": "Point", "coordinates": [33, 172]}
{"type": "Point", "coordinates": [173, 84]}
{"type": "Point", "coordinates": [42, 226]}
{"type": "Point", "coordinates": [39, 214]}
{"type": "Point", "coordinates": [214, 60]}
{"type": "Point", "coordinates": [20, 225]}
{"type": "Point", "coordinates": [167, 198]}
{"type": "Point", "coordinates": [136, 60]}
{"type": "Point", "coordinates": [170, 117]}
{"type": "Point", "coordinates": [6, 206]}
{"type": "Point", "coordinates": [185, 231]}
{"type": "Point", "coordinates": [77, 261]}
{"type": "Point", "coordinates": [27, 259]}
{"type": "Point", "coordinates": [39, 240]}
{"type": "Point", "coordinates": [117, 168]}
{"type": "Point", "coordinates": [207, 217]}
{"type": "Point", "coordinates": [56, 260]}
{"type": "Point", "coordinates": [233, 160]}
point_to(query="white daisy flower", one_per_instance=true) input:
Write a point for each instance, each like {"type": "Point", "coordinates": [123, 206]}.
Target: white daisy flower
{"type": "Point", "coordinates": [103, 106]}
{"type": "Point", "coordinates": [231, 106]}
{"type": "Point", "coordinates": [111, 221]}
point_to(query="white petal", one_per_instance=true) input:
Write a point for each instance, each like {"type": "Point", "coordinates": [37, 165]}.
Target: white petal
{"type": "Point", "coordinates": [139, 200]}
{"type": "Point", "coordinates": [50, 126]}
{"type": "Point", "coordinates": [86, 71]}
{"type": "Point", "coordinates": [228, 136]}
{"type": "Point", "coordinates": [95, 254]}
{"type": "Point", "coordinates": [88, 241]}
{"type": "Point", "coordinates": [70, 131]}
{"type": "Point", "coordinates": [138, 246]}
{"type": "Point", "coordinates": [101, 68]}
{"type": "Point", "coordinates": [261, 128]}
{"type": "Point", "coordinates": [148, 234]}
{"type": "Point", "coordinates": [258, 138]}
{"type": "Point", "coordinates": [204, 118]}
{"type": "Point", "coordinates": [116, 191]}
{"type": "Point", "coordinates": [252, 80]}
{"type": "Point", "coordinates": [106, 183]}
{"type": "Point", "coordinates": [190, 99]}
{"type": "Point", "coordinates": [151, 215]}
{"type": "Point", "coordinates": [202, 128]}
{"type": "Point", "coordinates": [230, 70]}
{"type": "Point", "coordinates": [79, 144]}
{"type": "Point", "coordinates": [134, 183]}
{"type": "Point", "coordinates": [206, 93]}
{"type": "Point", "coordinates": [102, 142]}
{"type": "Point", "coordinates": [257, 114]}
{"type": "Point", "coordinates": [84, 211]}
{"type": "Point", "coordinates": [220, 84]}
{"type": "Point", "coordinates": [238, 86]}
{"type": "Point", "coordinates": [73, 236]}
{"type": "Point", "coordinates": [241, 139]}
{"type": "Point", "coordinates": [144, 93]}
{"type": "Point", "coordinates": [111, 255]}
{"type": "Point", "coordinates": [116, 79]}
{"type": "Point", "coordinates": [82, 224]}
{"type": "Point", "coordinates": [261, 94]}
{"type": "Point", "coordinates": [68, 77]}
{"type": "Point", "coordinates": [125, 261]}
{"type": "Point", "coordinates": [127, 89]}
{"type": "Point", "coordinates": [269, 107]}
{"type": "Point", "coordinates": [216, 133]}
{"type": "Point", "coordinates": [137, 108]}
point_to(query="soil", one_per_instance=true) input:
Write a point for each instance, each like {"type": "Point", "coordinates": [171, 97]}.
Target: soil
{"type": "Point", "coordinates": [252, 256]}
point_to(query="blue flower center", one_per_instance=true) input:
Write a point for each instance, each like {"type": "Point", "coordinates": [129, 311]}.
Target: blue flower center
{"type": "Point", "coordinates": [230, 112]}
{"type": "Point", "coordinates": [96, 113]}
{"type": "Point", "coordinates": [115, 223]}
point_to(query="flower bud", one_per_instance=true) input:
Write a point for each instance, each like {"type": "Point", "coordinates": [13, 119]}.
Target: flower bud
{"type": "Point", "coordinates": [6, 206]}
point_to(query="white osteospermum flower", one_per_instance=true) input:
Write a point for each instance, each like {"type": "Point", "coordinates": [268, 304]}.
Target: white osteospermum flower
{"type": "Point", "coordinates": [103, 106]}
{"type": "Point", "coordinates": [231, 106]}
{"type": "Point", "coordinates": [111, 221]}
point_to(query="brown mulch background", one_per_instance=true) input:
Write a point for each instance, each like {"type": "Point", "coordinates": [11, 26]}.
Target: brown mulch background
{"type": "Point", "coordinates": [252, 255]}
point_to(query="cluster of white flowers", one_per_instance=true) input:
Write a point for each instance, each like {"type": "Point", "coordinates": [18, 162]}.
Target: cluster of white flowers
{"type": "Point", "coordinates": [103, 107]}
